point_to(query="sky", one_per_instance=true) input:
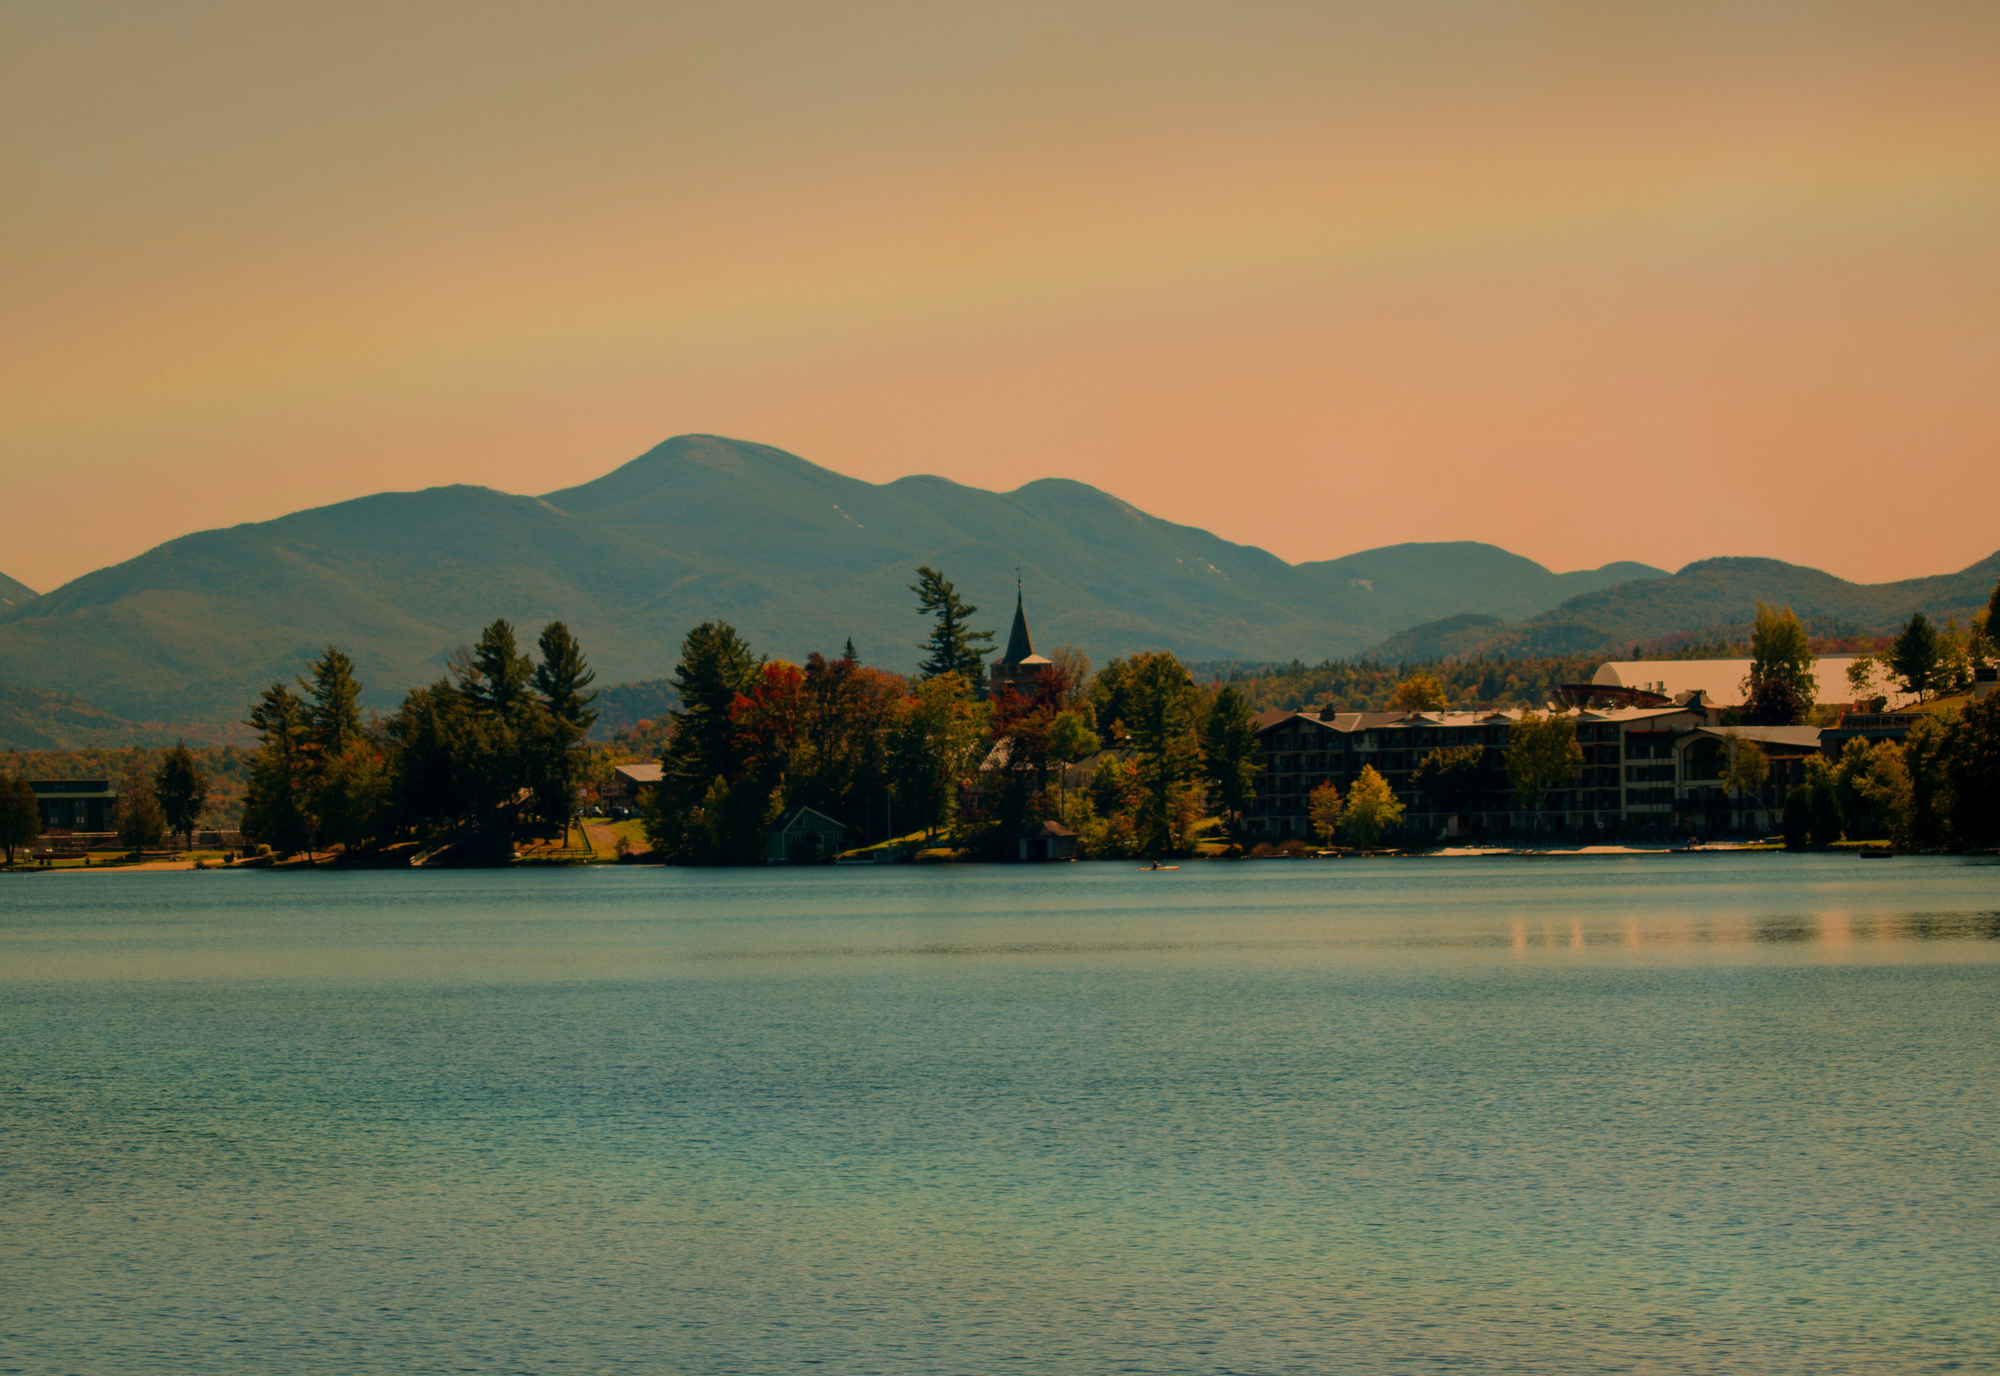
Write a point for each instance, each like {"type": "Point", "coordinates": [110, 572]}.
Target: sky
{"type": "Point", "coordinates": [1591, 281]}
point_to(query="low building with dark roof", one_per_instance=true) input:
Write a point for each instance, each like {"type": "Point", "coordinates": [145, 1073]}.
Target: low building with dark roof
{"type": "Point", "coordinates": [1048, 841]}
{"type": "Point", "coordinates": [76, 805]}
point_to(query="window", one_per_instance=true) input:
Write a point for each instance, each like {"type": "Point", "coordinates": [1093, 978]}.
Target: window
{"type": "Point", "coordinates": [1704, 759]}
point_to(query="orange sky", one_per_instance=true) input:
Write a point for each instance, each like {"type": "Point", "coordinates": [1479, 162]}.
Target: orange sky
{"type": "Point", "coordinates": [1590, 281]}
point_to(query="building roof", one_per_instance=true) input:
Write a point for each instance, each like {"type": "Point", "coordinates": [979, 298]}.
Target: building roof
{"type": "Point", "coordinates": [640, 773]}
{"type": "Point", "coordinates": [1721, 679]}
{"type": "Point", "coordinates": [1020, 645]}
{"type": "Point", "coordinates": [1792, 737]}
{"type": "Point", "coordinates": [1366, 721]}
{"type": "Point", "coordinates": [809, 819]}
{"type": "Point", "coordinates": [1046, 828]}
{"type": "Point", "coordinates": [71, 788]}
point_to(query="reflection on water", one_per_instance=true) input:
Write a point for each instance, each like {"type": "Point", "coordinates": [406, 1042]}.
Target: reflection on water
{"type": "Point", "coordinates": [1727, 1115]}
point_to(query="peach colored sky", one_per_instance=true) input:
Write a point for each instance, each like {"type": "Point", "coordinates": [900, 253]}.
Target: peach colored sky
{"type": "Point", "coordinates": [1590, 281]}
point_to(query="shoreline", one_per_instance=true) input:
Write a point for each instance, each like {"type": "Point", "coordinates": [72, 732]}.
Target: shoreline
{"type": "Point", "coordinates": [1858, 851]}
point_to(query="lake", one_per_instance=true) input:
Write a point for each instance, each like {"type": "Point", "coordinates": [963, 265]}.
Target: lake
{"type": "Point", "coordinates": [1701, 1114]}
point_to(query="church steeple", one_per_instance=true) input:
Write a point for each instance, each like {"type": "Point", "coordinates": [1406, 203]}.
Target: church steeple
{"type": "Point", "coordinates": [1019, 667]}
{"type": "Point", "coordinates": [1020, 645]}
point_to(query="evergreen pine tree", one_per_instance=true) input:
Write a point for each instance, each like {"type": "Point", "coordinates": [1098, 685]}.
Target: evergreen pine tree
{"type": "Point", "coordinates": [141, 825]}
{"type": "Point", "coordinates": [20, 815]}
{"type": "Point", "coordinates": [1228, 756]}
{"type": "Point", "coordinates": [181, 785]}
{"type": "Point", "coordinates": [500, 673]}
{"type": "Point", "coordinates": [716, 665]}
{"type": "Point", "coordinates": [1914, 655]}
{"type": "Point", "coordinates": [333, 710]}
{"type": "Point", "coordinates": [562, 677]}
{"type": "Point", "coordinates": [274, 804]}
{"type": "Point", "coordinates": [952, 646]}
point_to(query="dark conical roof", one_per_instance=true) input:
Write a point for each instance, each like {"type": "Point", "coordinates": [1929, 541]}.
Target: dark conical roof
{"type": "Point", "coordinates": [1020, 645]}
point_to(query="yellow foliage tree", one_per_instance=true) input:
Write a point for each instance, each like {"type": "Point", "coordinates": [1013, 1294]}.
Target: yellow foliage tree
{"type": "Point", "coordinates": [1420, 692]}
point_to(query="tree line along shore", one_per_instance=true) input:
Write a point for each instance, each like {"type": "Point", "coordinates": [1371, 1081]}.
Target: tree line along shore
{"type": "Point", "coordinates": [1133, 759]}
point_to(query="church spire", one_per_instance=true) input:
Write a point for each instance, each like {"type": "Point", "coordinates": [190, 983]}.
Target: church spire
{"type": "Point", "coordinates": [1020, 645]}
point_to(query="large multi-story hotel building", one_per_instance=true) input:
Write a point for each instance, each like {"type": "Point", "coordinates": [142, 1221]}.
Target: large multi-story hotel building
{"type": "Point", "coordinates": [1654, 769]}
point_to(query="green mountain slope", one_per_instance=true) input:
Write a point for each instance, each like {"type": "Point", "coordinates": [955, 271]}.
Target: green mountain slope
{"type": "Point", "coordinates": [798, 557]}
{"type": "Point", "coordinates": [13, 594]}
{"type": "Point", "coordinates": [1712, 594]}
{"type": "Point", "coordinates": [60, 721]}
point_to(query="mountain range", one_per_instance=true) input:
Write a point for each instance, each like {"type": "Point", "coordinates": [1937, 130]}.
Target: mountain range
{"type": "Point", "coordinates": [1717, 597]}
{"type": "Point", "coordinates": [800, 558]}
{"type": "Point", "coordinates": [797, 557]}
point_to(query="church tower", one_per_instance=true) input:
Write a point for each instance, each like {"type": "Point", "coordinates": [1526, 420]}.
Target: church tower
{"type": "Point", "coordinates": [1017, 668]}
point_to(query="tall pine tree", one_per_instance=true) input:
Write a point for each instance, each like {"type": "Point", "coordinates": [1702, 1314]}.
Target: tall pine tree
{"type": "Point", "coordinates": [952, 647]}
{"type": "Point", "coordinates": [181, 785]}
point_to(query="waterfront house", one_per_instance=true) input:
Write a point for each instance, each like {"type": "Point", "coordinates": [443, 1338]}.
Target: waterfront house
{"type": "Point", "coordinates": [627, 782]}
{"type": "Point", "coordinates": [1048, 841]}
{"type": "Point", "coordinates": [804, 835]}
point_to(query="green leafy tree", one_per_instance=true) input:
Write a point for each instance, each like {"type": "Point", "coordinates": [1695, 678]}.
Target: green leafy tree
{"type": "Point", "coordinates": [1798, 817]}
{"type": "Point", "coordinates": [1450, 777]}
{"type": "Point", "coordinates": [181, 786]}
{"type": "Point", "coordinates": [1927, 754]}
{"type": "Point", "coordinates": [1824, 820]}
{"type": "Point", "coordinates": [274, 803]}
{"type": "Point", "coordinates": [1373, 810]}
{"type": "Point", "coordinates": [952, 646]}
{"type": "Point", "coordinates": [1165, 707]}
{"type": "Point", "coordinates": [1111, 700]}
{"type": "Point", "coordinates": [1070, 740]}
{"type": "Point", "coordinates": [20, 815]}
{"type": "Point", "coordinates": [1914, 657]}
{"type": "Point", "coordinates": [1861, 678]}
{"type": "Point", "coordinates": [1111, 786]}
{"type": "Point", "coordinates": [353, 795]}
{"type": "Point", "coordinates": [1324, 806]}
{"type": "Point", "coordinates": [1782, 685]}
{"type": "Point", "coordinates": [1887, 787]}
{"type": "Point", "coordinates": [1229, 757]}
{"type": "Point", "coordinates": [1420, 692]}
{"type": "Point", "coordinates": [1744, 770]}
{"type": "Point", "coordinates": [1542, 755]}
{"type": "Point", "coordinates": [1953, 672]}
{"type": "Point", "coordinates": [1973, 772]}
{"type": "Point", "coordinates": [141, 824]}
{"type": "Point", "coordinates": [932, 748]}
{"type": "Point", "coordinates": [1075, 665]}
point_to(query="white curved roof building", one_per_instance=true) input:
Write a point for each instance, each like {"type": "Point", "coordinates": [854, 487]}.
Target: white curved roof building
{"type": "Point", "coordinates": [1721, 679]}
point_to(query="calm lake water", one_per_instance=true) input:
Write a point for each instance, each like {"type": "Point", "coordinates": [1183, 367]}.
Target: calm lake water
{"type": "Point", "coordinates": [1730, 1114]}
